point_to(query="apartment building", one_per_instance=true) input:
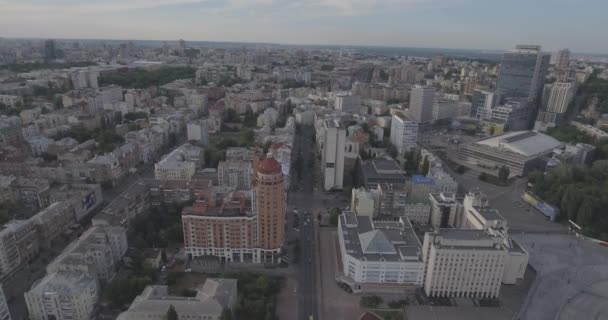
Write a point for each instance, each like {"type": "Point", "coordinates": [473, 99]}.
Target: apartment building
{"type": "Point", "coordinates": [19, 243]}
{"type": "Point", "coordinates": [444, 210]}
{"type": "Point", "coordinates": [63, 296]}
{"type": "Point", "coordinates": [96, 253]}
{"type": "Point", "coordinates": [227, 231]}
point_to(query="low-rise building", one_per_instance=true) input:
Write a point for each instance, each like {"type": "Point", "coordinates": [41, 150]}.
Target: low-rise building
{"type": "Point", "coordinates": [378, 256]}
{"type": "Point", "coordinates": [63, 296]}
{"type": "Point", "coordinates": [379, 171]}
{"type": "Point", "coordinates": [180, 164]}
{"type": "Point", "coordinates": [210, 301]}
{"type": "Point", "coordinates": [152, 258]}
{"type": "Point", "coordinates": [520, 151]}
{"type": "Point", "coordinates": [365, 202]}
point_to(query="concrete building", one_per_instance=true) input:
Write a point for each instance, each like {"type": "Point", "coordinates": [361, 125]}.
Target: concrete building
{"type": "Point", "coordinates": [590, 130]}
{"type": "Point", "coordinates": [556, 98]}
{"type": "Point", "coordinates": [52, 221]}
{"type": "Point", "coordinates": [197, 131]}
{"type": "Point", "coordinates": [270, 205]}
{"type": "Point", "coordinates": [562, 59]}
{"type": "Point", "coordinates": [417, 211]}
{"type": "Point", "coordinates": [346, 102]}
{"type": "Point", "coordinates": [378, 256]}
{"type": "Point", "coordinates": [380, 171]}
{"type": "Point", "coordinates": [444, 210]}
{"type": "Point", "coordinates": [422, 100]}
{"type": "Point", "coordinates": [522, 72]}
{"type": "Point", "coordinates": [365, 202]}
{"type": "Point", "coordinates": [520, 151]}
{"type": "Point", "coordinates": [208, 304]}
{"type": "Point", "coordinates": [5, 313]}
{"type": "Point", "coordinates": [393, 199]}
{"type": "Point", "coordinates": [96, 253]}
{"type": "Point", "coordinates": [235, 174]}
{"type": "Point", "coordinates": [63, 296]}
{"type": "Point", "coordinates": [332, 155]}
{"type": "Point", "coordinates": [227, 231]}
{"type": "Point", "coordinates": [404, 134]}
{"type": "Point", "coordinates": [463, 263]}
{"type": "Point", "coordinates": [483, 100]}
{"type": "Point", "coordinates": [180, 164]}
{"type": "Point", "coordinates": [19, 244]}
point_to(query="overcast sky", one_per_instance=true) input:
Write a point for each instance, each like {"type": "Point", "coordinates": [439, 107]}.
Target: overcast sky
{"type": "Point", "coordinates": [476, 24]}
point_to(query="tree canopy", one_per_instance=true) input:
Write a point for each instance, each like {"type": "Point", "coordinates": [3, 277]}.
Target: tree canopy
{"type": "Point", "coordinates": [581, 194]}
{"type": "Point", "coordinates": [141, 79]}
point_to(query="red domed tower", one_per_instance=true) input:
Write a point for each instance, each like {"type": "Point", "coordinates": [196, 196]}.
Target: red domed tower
{"type": "Point", "coordinates": [270, 208]}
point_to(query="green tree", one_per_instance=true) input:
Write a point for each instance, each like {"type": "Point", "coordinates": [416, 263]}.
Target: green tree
{"type": "Point", "coordinates": [334, 216]}
{"type": "Point", "coordinates": [249, 120]}
{"type": "Point", "coordinates": [371, 302]}
{"type": "Point", "coordinates": [483, 176]}
{"type": "Point", "coordinates": [171, 314]}
{"type": "Point", "coordinates": [503, 174]}
{"type": "Point", "coordinates": [226, 314]}
{"type": "Point", "coordinates": [425, 165]}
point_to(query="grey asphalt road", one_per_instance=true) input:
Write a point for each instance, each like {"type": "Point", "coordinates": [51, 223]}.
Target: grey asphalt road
{"type": "Point", "coordinates": [303, 199]}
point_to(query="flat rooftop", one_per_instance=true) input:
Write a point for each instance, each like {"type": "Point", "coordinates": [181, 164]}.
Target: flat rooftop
{"type": "Point", "coordinates": [526, 143]}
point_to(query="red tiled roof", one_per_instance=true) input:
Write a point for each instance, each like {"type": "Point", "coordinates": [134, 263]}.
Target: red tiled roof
{"type": "Point", "coordinates": [269, 166]}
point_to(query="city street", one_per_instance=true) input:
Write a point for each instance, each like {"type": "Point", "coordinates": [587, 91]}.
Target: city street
{"type": "Point", "coordinates": [303, 200]}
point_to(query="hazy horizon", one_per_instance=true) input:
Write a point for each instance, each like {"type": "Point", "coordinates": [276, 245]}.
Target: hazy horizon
{"type": "Point", "coordinates": [437, 24]}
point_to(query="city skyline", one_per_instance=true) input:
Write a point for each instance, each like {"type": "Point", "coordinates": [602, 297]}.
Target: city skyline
{"type": "Point", "coordinates": [489, 25]}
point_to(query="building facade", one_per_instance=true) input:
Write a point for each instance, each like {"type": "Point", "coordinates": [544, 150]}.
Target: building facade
{"type": "Point", "coordinates": [63, 296]}
{"type": "Point", "coordinates": [378, 256]}
{"type": "Point", "coordinates": [270, 208]}
{"type": "Point", "coordinates": [332, 156]}
{"type": "Point", "coordinates": [404, 134]}
{"type": "Point", "coordinates": [422, 100]}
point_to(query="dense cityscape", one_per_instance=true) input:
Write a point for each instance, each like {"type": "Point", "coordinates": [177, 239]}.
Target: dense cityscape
{"type": "Point", "coordinates": [200, 180]}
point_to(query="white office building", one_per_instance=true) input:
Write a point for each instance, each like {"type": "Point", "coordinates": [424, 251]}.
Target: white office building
{"type": "Point", "coordinates": [197, 131]}
{"type": "Point", "coordinates": [63, 296]}
{"type": "Point", "coordinates": [378, 256]}
{"type": "Point", "coordinates": [422, 100]}
{"type": "Point", "coordinates": [404, 134]}
{"type": "Point", "coordinates": [463, 263]}
{"type": "Point", "coordinates": [556, 98]}
{"type": "Point", "coordinates": [332, 156]}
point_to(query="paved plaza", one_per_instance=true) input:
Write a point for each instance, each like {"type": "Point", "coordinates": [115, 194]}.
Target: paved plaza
{"type": "Point", "coordinates": [572, 278]}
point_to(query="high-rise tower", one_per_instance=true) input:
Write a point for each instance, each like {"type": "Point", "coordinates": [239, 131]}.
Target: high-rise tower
{"type": "Point", "coordinates": [270, 208]}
